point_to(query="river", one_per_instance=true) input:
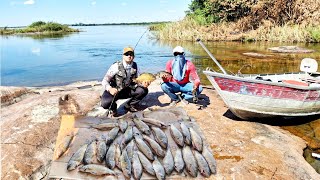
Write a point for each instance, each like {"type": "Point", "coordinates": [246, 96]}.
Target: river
{"type": "Point", "coordinates": [57, 60]}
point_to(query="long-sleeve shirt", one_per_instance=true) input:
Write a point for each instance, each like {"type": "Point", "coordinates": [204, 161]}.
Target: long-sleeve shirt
{"type": "Point", "coordinates": [190, 74]}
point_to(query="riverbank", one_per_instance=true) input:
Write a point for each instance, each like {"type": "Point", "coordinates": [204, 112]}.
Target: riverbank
{"type": "Point", "coordinates": [243, 150]}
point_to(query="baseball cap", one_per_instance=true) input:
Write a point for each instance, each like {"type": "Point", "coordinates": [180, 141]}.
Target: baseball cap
{"type": "Point", "coordinates": [127, 49]}
{"type": "Point", "coordinates": [178, 49]}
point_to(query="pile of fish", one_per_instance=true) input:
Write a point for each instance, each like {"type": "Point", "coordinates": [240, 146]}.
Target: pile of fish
{"type": "Point", "coordinates": [140, 145]}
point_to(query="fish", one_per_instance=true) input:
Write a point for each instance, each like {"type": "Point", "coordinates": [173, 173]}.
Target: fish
{"type": "Point", "coordinates": [160, 137]}
{"type": "Point", "coordinates": [144, 148]}
{"type": "Point", "coordinates": [168, 162]}
{"type": "Point", "coordinates": [123, 124]}
{"type": "Point", "coordinates": [117, 156]}
{"type": "Point", "coordinates": [203, 166]}
{"type": "Point", "coordinates": [63, 146]}
{"type": "Point", "coordinates": [158, 169]}
{"type": "Point", "coordinates": [110, 156]}
{"type": "Point", "coordinates": [190, 161]}
{"type": "Point", "coordinates": [210, 160]}
{"type": "Point", "coordinates": [196, 140]}
{"type": "Point", "coordinates": [154, 146]}
{"type": "Point", "coordinates": [101, 150]}
{"type": "Point", "coordinates": [154, 122]}
{"type": "Point", "coordinates": [161, 74]}
{"type": "Point", "coordinates": [97, 170]}
{"type": "Point", "coordinates": [145, 77]}
{"type": "Point", "coordinates": [112, 134]}
{"type": "Point", "coordinates": [143, 127]}
{"type": "Point", "coordinates": [104, 126]}
{"type": "Point", "coordinates": [76, 158]}
{"type": "Point", "coordinates": [91, 153]}
{"type": "Point", "coordinates": [137, 169]}
{"type": "Point", "coordinates": [130, 149]}
{"type": "Point", "coordinates": [178, 161]}
{"type": "Point", "coordinates": [136, 132]}
{"type": "Point", "coordinates": [128, 135]}
{"type": "Point", "coordinates": [146, 164]}
{"type": "Point", "coordinates": [186, 133]}
{"type": "Point", "coordinates": [176, 135]}
{"type": "Point", "coordinates": [125, 164]}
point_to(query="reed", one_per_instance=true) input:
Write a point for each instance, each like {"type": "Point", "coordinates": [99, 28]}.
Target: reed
{"type": "Point", "coordinates": [189, 30]}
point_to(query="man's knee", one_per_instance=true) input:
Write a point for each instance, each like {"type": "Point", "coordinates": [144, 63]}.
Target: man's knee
{"type": "Point", "coordinates": [142, 91]}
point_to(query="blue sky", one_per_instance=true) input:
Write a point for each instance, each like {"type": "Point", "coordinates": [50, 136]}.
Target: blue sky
{"type": "Point", "coordinates": [24, 12]}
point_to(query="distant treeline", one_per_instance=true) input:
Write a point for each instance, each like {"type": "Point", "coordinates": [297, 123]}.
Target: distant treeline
{"type": "Point", "coordinates": [108, 24]}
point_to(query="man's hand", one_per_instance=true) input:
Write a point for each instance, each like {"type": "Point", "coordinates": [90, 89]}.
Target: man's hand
{"type": "Point", "coordinates": [145, 83]}
{"type": "Point", "coordinates": [194, 89]}
{"type": "Point", "coordinates": [113, 91]}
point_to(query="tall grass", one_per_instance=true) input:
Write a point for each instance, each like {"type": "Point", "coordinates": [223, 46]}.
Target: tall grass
{"type": "Point", "coordinates": [189, 30]}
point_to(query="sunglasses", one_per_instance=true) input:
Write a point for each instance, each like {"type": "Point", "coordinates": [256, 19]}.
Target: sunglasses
{"type": "Point", "coordinates": [177, 53]}
{"type": "Point", "coordinates": [129, 54]}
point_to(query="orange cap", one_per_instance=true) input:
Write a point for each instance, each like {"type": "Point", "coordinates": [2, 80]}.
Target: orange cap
{"type": "Point", "coordinates": [127, 49]}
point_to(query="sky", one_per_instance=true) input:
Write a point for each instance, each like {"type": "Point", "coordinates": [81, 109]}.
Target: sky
{"type": "Point", "coordinates": [24, 12]}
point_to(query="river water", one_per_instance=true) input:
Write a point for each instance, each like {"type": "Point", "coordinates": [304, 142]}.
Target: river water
{"type": "Point", "coordinates": [58, 60]}
{"type": "Point", "coordinates": [55, 60]}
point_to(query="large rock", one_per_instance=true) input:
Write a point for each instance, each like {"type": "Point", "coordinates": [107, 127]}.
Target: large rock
{"type": "Point", "coordinates": [244, 150]}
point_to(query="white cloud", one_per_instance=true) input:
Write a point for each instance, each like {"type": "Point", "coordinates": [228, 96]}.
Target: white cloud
{"type": "Point", "coordinates": [123, 4]}
{"type": "Point", "coordinates": [29, 2]}
{"type": "Point", "coordinates": [93, 3]}
{"type": "Point", "coordinates": [163, 2]}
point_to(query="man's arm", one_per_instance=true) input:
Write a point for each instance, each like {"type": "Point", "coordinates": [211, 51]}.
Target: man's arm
{"type": "Point", "coordinates": [168, 69]}
{"type": "Point", "coordinates": [194, 75]}
{"type": "Point", "coordinates": [109, 75]}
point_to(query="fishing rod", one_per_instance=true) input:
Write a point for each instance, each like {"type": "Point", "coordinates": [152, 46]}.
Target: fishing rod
{"type": "Point", "coordinates": [212, 57]}
{"type": "Point", "coordinates": [140, 38]}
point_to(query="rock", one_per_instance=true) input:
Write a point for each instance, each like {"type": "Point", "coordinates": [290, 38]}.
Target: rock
{"type": "Point", "coordinates": [243, 149]}
{"type": "Point", "coordinates": [290, 49]}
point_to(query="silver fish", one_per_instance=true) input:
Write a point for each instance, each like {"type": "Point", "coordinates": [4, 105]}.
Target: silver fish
{"type": "Point", "coordinates": [117, 155]}
{"type": "Point", "coordinates": [168, 162]}
{"type": "Point", "coordinates": [210, 160]}
{"type": "Point", "coordinates": [190, 161]}
{"type": "Point", "coordinates": [128, 135]}
{"type": "Point", "coordinates": [144, 148]}
{"type": "Point", "coordinates": [159, 170]}
{"type": "Point", "coordinates": [178, 161]}
{"type": "Point", "coordinates": [112, 134]}
{"type": "Point", "coordinates": [154, 122]}
{"type": "Point", "coordinates": [91, 153]}
{"type": "Point", "coordinates": [196, 140]}
{"type": "Point", "coordinates": [186, 133]}
{"type": "Point", "coordinates": [96, 170]}
{"type": "Point", "coordinates": [154, 146]}
{"type": "Point", "coordinates": [161, 74]}
{"type": "Point", "coordinates": [136, 132]}
{"type": "Point", "coordinates": [130, 149]}
{"type": "Point", "coordinates": [137, 169]}
{"type": "Point", "coordinates": [77, 158]}
{"type": "Point", "coordinates": [176, 135]}
{"type": "Point", "coordinates": [143, 127]}
{"type": "Point", "coordinates": [203, 166]}
{"type": "Point", "coordinates": [160, 137]}
{"type": "Point", "coordinates": [104, 126]}
{"type": "Point", "coordinates": [147, 165]}
{"type": "Point", "coordinates": [101, 150]}
{"type": "Point", "coordinates": [110, 156]}
{"type": "Point", "coordinates": [123, 124]}
{"type": "Point", "coordinates": [125, 164]}
{"type": "Point", "coordinates": [63, 146]}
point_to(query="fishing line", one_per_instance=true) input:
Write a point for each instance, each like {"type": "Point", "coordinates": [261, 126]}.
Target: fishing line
{"type": "Point", "coordinates": [140, 38]}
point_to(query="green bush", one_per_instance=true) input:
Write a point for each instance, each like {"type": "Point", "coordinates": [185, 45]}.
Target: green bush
{"type": "Point", "coordinates": [314, 33]}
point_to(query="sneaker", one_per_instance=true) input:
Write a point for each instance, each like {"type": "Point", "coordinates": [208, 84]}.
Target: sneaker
{"type": "Point", "coordinates": [131, 109]}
